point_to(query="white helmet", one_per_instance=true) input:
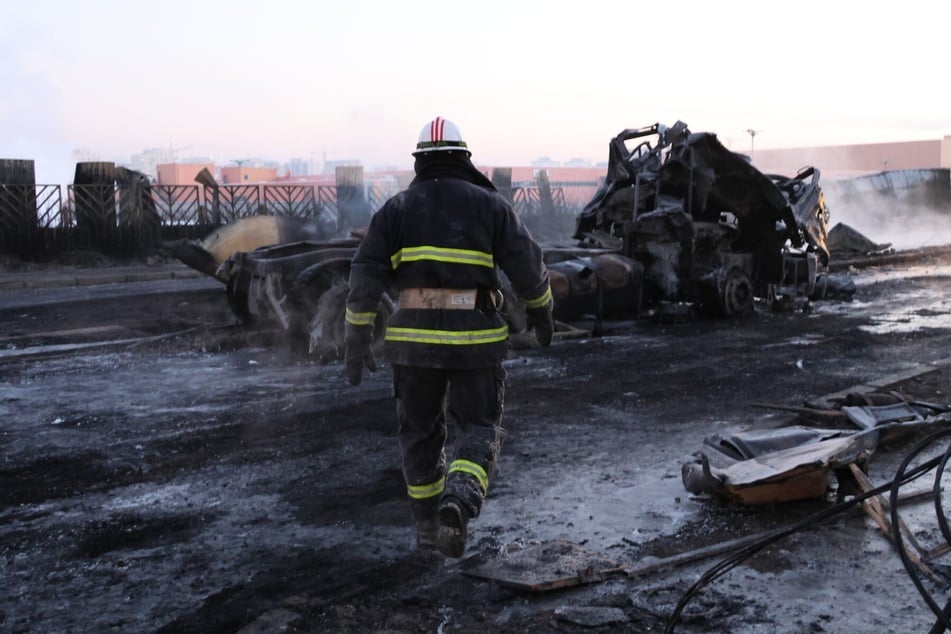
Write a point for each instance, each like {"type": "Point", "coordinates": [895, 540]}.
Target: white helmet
{"type": "Point", "coordinates": [440, 135]}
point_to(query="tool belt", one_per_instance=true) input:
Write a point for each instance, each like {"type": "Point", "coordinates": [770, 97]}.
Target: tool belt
{"type": "Point", "coordinates": [451, 299]}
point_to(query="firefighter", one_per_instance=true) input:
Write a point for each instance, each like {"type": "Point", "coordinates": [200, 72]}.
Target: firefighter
{"type": "Point", "coordinates": [440, 244]}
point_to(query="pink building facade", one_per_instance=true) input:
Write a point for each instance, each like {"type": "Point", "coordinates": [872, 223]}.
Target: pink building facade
{"type": "Point", "coordinates": [845, 161]}
{"type": "Point", "coordinates": [180, 173]}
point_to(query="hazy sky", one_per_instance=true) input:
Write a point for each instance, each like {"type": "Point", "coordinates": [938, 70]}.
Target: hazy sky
{"type": "Point", "coordinates": [523, 79]}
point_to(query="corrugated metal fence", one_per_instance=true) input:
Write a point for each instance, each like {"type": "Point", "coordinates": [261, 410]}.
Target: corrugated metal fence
{"type": "Point", "coordinates": [133, 219]}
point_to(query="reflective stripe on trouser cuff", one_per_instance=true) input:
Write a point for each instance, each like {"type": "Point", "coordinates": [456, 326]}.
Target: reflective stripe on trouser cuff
{"type": "Point", "coordinates": [426, 491]}
{"type": "Point", "coordinates": [472, 469]}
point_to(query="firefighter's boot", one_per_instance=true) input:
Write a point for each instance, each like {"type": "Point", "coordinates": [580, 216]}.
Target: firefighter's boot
{"type": "Point", "coordinates": [427, 532]}
{"type": "Point", "coordinates": [453, 527]}
{"type": "Point", "coordinates": [425, 514]}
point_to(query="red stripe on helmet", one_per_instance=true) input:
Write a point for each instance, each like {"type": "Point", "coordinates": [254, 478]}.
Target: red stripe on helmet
{"type": "Point", "coordinates": [442, 128]}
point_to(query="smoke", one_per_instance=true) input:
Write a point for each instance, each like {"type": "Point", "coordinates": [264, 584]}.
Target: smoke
{"type": "Point", "coordinates": [882, 220]}
{"type": "Point", "coordinates": [909, 209]}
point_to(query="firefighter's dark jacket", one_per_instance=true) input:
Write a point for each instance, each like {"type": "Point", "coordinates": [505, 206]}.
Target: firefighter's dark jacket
{"type": "Point", "coordinates": [444, 233]}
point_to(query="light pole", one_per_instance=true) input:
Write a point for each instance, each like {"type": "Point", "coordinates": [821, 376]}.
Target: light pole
{"type": "Point", "coordinates": [752, 133]}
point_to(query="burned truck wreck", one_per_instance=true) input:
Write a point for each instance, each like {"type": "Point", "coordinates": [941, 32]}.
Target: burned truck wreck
{"type": "Point", "coordinates": [680, 227]}
{"type": "Point", "coordinates": [711, 232]}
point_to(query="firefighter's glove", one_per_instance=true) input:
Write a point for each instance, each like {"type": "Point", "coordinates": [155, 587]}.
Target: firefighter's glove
{"type": "Point", "coordinates": [359, 352]}
{"type": "Point", "coordinates": [541, 321]}
{"type": "Point", "coordinates": [357, 356]}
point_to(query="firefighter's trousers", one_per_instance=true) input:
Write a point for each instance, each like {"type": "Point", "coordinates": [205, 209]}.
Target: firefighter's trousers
{"type": "Point", "coordinates": [473, 399]}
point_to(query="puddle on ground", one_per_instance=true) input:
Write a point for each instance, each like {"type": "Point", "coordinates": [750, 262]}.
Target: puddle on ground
{"type": "Point", "coordinates": [805, 340]}
{"type": "Point", "coordinates": [869, 276]}
{"type": "Point", "coordinates": [905, 311]}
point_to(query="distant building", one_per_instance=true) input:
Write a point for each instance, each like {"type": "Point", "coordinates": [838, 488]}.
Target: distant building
{"type": "Point", "coordinates": [577, 162]}
{"type": "Point", "coordinates": [299, 167]}
{"type": "Point", "coordinates": [148, 161]}
{"type": "Point", "coordinates": [578, 184]}
{"type": "Point", "coordinates": [243, 174]}
{"type": "Point", "coordinates": [179, 173]}
{"type": "Point", "coordinates": [846, 161]}
{"type": "Point", "coordinates": [544, 161]}
{"type": "Point", "coordinates": [330, 167]}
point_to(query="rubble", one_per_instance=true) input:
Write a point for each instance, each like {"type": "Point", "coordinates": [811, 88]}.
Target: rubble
{"type": "Point", "coordinates": [846, 242]}
{"type": "Point", "coordinates": [795, 462]}
{"type": "Point", "coordinates": [776, 465]}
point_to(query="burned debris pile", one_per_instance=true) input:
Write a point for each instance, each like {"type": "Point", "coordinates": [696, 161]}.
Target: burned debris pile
{"type": "Point", "coordinates": [799, 460]}
{"type": "Point", "coordinates": [846, 242]}
{"type": "Point", "coordinates": [795, 463]}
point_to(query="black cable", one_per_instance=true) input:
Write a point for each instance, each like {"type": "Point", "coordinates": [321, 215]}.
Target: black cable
{"type": "Point", "coordinates": [938, 504]}
{"type": "Point", "coordinates": [938, 627]}
{"type": "Point", "coordinates": [742, 554]}
{"type": "Point", "coordinates": [943, 621]}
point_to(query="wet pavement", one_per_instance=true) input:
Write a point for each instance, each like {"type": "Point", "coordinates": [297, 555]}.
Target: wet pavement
{"type": "Point", "coordinates": [208, 483]}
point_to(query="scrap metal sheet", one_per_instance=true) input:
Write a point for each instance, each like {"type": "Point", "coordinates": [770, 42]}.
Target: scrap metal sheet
{"type": "Point", "coordinates": [547, 566]}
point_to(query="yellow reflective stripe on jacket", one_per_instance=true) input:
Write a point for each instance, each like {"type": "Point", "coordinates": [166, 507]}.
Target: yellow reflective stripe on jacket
{"type": "Point", "coordinates": [441, 254]}
{"type": "Point", "coordinates": [360, 319]}
{"type": "Point", "coordinates": [426, 491]}
{"type": "Point", "coordinates": [472, 469]}
{"type": "Point", "coordinates": [447, 337]}
{"type": "Point", "coordinates": [541, 300]}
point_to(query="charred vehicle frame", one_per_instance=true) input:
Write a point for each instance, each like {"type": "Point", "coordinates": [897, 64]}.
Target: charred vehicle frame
{"type": "Point", "coordinates": [710, 229]}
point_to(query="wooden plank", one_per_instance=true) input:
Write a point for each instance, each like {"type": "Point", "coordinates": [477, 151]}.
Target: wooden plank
{"type": "Point", "coordinates": [876, 507]}
{"type": "Point", "coordinates": [648, 565]}
{"type": "Point", "coordinates": [562, 564]}
{"type": "Point", "coordinates": [824, 415]}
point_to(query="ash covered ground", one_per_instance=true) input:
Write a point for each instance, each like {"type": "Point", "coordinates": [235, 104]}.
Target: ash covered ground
{"type": "Point", "coordinates": [179, 474]}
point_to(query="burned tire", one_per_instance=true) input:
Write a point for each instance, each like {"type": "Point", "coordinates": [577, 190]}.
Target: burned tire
{"type": "Point", "coordinates": [726, 292]}
{"type": "Point", "coordinates": [238, 288]}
